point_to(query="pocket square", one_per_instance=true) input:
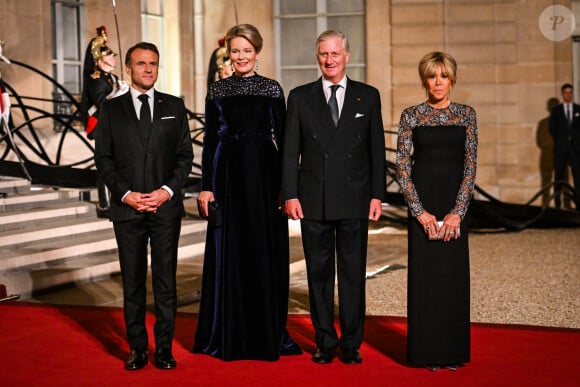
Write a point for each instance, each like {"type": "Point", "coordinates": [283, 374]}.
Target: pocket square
{"type": "Point", "coordinates": [168, 118]}
{"type": "Point", "coordinates": [358, 115]}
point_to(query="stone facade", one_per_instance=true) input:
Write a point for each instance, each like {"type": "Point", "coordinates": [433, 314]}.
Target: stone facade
{"type": "Point", "coordinates": [507, 70]}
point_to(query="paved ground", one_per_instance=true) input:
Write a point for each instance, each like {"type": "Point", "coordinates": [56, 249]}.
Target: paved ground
{"type": "Point", "coordinates": [530, 277]}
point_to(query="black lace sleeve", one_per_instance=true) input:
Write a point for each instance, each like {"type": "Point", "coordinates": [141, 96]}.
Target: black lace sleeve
{"type": "Point", "coordinates": [468, 118]}
{"type": "Point", "coordinates": [404, 148]}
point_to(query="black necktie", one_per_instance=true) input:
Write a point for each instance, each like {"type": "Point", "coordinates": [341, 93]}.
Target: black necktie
{"type": "Point", "coordinates": [333, 104]}
{"type": "Point", "coordinates": [145, 115]}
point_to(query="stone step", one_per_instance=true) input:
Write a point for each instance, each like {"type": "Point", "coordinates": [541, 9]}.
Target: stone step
{"type": "Point", "coordinates": [40, 198]}
{"type": "Point", "coordinates": [18, 257]}
{"type": "Point", "coordinates": [9, 185]}
{"type": "Point", "coordinates": [56, 229]}
{"type": "Point", "coordinates": [22, 218]}
{"type": "Point", "coordinates": [51, 237]}
{"type": "Point", "coordinates": [26, 274]}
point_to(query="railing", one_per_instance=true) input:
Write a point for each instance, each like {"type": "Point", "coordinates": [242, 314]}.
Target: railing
{"type": "Point", "coordinates": [51, 167]}
{"type": "Point", "coordinates": [69, 161]}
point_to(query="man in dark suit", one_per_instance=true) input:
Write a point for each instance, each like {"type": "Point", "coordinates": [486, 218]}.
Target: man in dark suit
{"type": "Point", "coordinates": [143, 150]}
{"type": "Point", "coordinates": [565, 130]}
{"type": "Point", "coordinates": [334, 181]}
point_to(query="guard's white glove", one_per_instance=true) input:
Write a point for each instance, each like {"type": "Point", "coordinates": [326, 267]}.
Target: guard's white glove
{"type": "Point", "coordinates": [6, 102]}
{"type": "Point", "coordinates": [122, 88]}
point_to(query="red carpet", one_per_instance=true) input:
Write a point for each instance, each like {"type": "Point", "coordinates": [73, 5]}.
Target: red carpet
{"type": "Point", "coordinates": [44, 345]}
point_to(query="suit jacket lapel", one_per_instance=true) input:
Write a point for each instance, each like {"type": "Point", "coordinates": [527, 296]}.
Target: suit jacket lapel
{"type": "Point", "coordinates": [132, 118]}
{"type": "Point", "coordinates": [348, 107]}
{"type": "Point", "coordinates": [321, 112]}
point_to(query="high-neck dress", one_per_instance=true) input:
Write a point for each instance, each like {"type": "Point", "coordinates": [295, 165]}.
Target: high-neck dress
{"type": "Point", "coordinates": [436, 164]}
{"type": "Point", "coordinates": [244, 298]}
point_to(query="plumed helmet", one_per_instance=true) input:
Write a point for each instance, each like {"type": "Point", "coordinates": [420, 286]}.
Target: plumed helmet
{"type": "Point", "coordinates": [99, 47]}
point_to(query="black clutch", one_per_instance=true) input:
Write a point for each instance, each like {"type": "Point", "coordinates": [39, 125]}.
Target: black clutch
{"type": "Point", "coordinates": [214, 217]}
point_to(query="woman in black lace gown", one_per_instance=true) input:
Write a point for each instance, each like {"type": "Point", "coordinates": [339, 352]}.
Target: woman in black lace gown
{"type": "Point", "coordinates": [244, 297]}
{"type": "Point", "coordinates": [437, 181]}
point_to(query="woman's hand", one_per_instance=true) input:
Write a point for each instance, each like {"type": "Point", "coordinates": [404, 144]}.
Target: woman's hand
{"type": "Point", "coordinates": [429, 223]}
{"type": "Point", "coordinates": [202, 200]}
{"type": "Point", "coordinates": [450, 227]}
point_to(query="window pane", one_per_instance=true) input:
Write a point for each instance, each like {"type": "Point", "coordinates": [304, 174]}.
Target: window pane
{"type": "Point", "coordinates": [345, 6]}
{"type": "Point", "coordinates": [353, 27]}
{"type": "Point", "coordinates": [70, 33]}
{"type": "Point", "coordinates": [298, 41]}
{"type": "Point", "coordinates": [356, 73]}
{"type": "Point", "coordinates": [289, 7]}
{"type": "Point", "coordinates": [153, 30]}
{"type": "Point", "coordinates": [293, 78]}
{"type": "Point", "coordinates": [72, 78]}
{"type": "Point", "coordinates": [153, 7]}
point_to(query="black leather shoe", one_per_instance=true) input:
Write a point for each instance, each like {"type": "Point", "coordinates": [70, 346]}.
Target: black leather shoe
{"type": "Point", "coordinates": [351, 356]}
{"type": "Point", "coordinates": [323, 356]}
{"type": "Point", "coordinates": [136, 361]}
{"type": "Point", "coordinates": [164, 359]}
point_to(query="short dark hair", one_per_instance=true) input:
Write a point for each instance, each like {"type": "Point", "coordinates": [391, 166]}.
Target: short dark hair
{"type": "Point", "coordinates": [567, 86]}
{"type": "Point", "coordinates": [143, 46]}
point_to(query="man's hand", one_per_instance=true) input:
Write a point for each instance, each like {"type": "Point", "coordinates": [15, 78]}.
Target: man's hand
{"type": "Point", "coordinates": [293, 209]}
{"type": "Point", "coordinates": [376, 209]}
{"type": "Point", "coordinates": [147, 202]}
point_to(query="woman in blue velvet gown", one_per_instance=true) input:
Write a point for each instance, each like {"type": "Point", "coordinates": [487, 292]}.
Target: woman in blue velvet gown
{"type": "Point", "coordinates": [244, 297]}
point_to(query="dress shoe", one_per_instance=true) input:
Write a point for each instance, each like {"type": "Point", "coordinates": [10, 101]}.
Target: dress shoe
{"type": "Point", "coordinates": [164, 359]}
{"type": "Point", "coordinates": [351, 356]}
{"type": "Point", "coordinates": [323, 356]}
{"type": "Point", "coordinates": [136, 361]}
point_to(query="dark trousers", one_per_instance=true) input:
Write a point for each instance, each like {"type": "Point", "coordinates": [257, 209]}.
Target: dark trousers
{"type": "Point", "coordinates": [562, 157]}
{"type": "Point", "coordinates": [132, 240]}
{"type": "Point", "coordinates": [347, 239]}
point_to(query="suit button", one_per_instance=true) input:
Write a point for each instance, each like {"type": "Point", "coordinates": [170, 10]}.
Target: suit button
{"type": "Point", "coordinates": [325, 156]}
{"type": "Point", "coordinates": [349, 156]}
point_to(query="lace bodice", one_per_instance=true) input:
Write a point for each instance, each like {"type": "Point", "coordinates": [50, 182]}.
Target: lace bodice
{"type": "Point", "coordinates": [424, 115]}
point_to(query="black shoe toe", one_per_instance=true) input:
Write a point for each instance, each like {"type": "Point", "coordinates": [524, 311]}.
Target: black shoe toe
{"type": "Point", "coordinates": [351, 356]}
{"type": "Point", "coordinates": [164, 359]}
{"type": "Point", "coordinates": [136, 361]}
{"type": "Point", "coordinates": [323, 356]}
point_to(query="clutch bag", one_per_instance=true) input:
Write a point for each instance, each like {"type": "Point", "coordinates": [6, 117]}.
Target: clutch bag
{"type": "Point", "coordinates": [214, 217]}
{"type": "Point", "coordinates": [442, 234]}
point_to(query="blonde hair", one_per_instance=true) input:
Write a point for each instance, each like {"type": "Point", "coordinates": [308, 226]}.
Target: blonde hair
{"type": "Point", "coordinates": [248, 32]}
{"type": "Point", "coordinates": [436, 59]}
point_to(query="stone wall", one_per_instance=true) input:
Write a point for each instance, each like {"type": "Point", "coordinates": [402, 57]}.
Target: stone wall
{"type": "Point", "coordinates": [507, 70]}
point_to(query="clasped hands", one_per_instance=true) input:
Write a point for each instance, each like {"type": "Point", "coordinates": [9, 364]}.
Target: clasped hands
{"type": "Point", "coordinates": [449, 229]}
{"type": "Point", "coordinates": [147, 202]}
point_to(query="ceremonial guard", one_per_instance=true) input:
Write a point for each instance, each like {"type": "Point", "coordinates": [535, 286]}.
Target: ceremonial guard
{"type": "Point", "coordinates": [99, 84]}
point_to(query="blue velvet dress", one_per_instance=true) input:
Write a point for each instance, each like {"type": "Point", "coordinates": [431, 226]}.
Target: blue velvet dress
{"type": "Point", "coordinates": [244, 298]}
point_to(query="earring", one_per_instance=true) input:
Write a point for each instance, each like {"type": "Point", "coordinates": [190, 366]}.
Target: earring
{"type": "Point", "coordinates": [257, 65]}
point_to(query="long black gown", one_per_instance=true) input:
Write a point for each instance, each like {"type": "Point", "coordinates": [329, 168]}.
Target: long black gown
{"type": "Point", "coordinates": [244, 298]}
{"type": "Point", "coordinates": [440, 178]}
